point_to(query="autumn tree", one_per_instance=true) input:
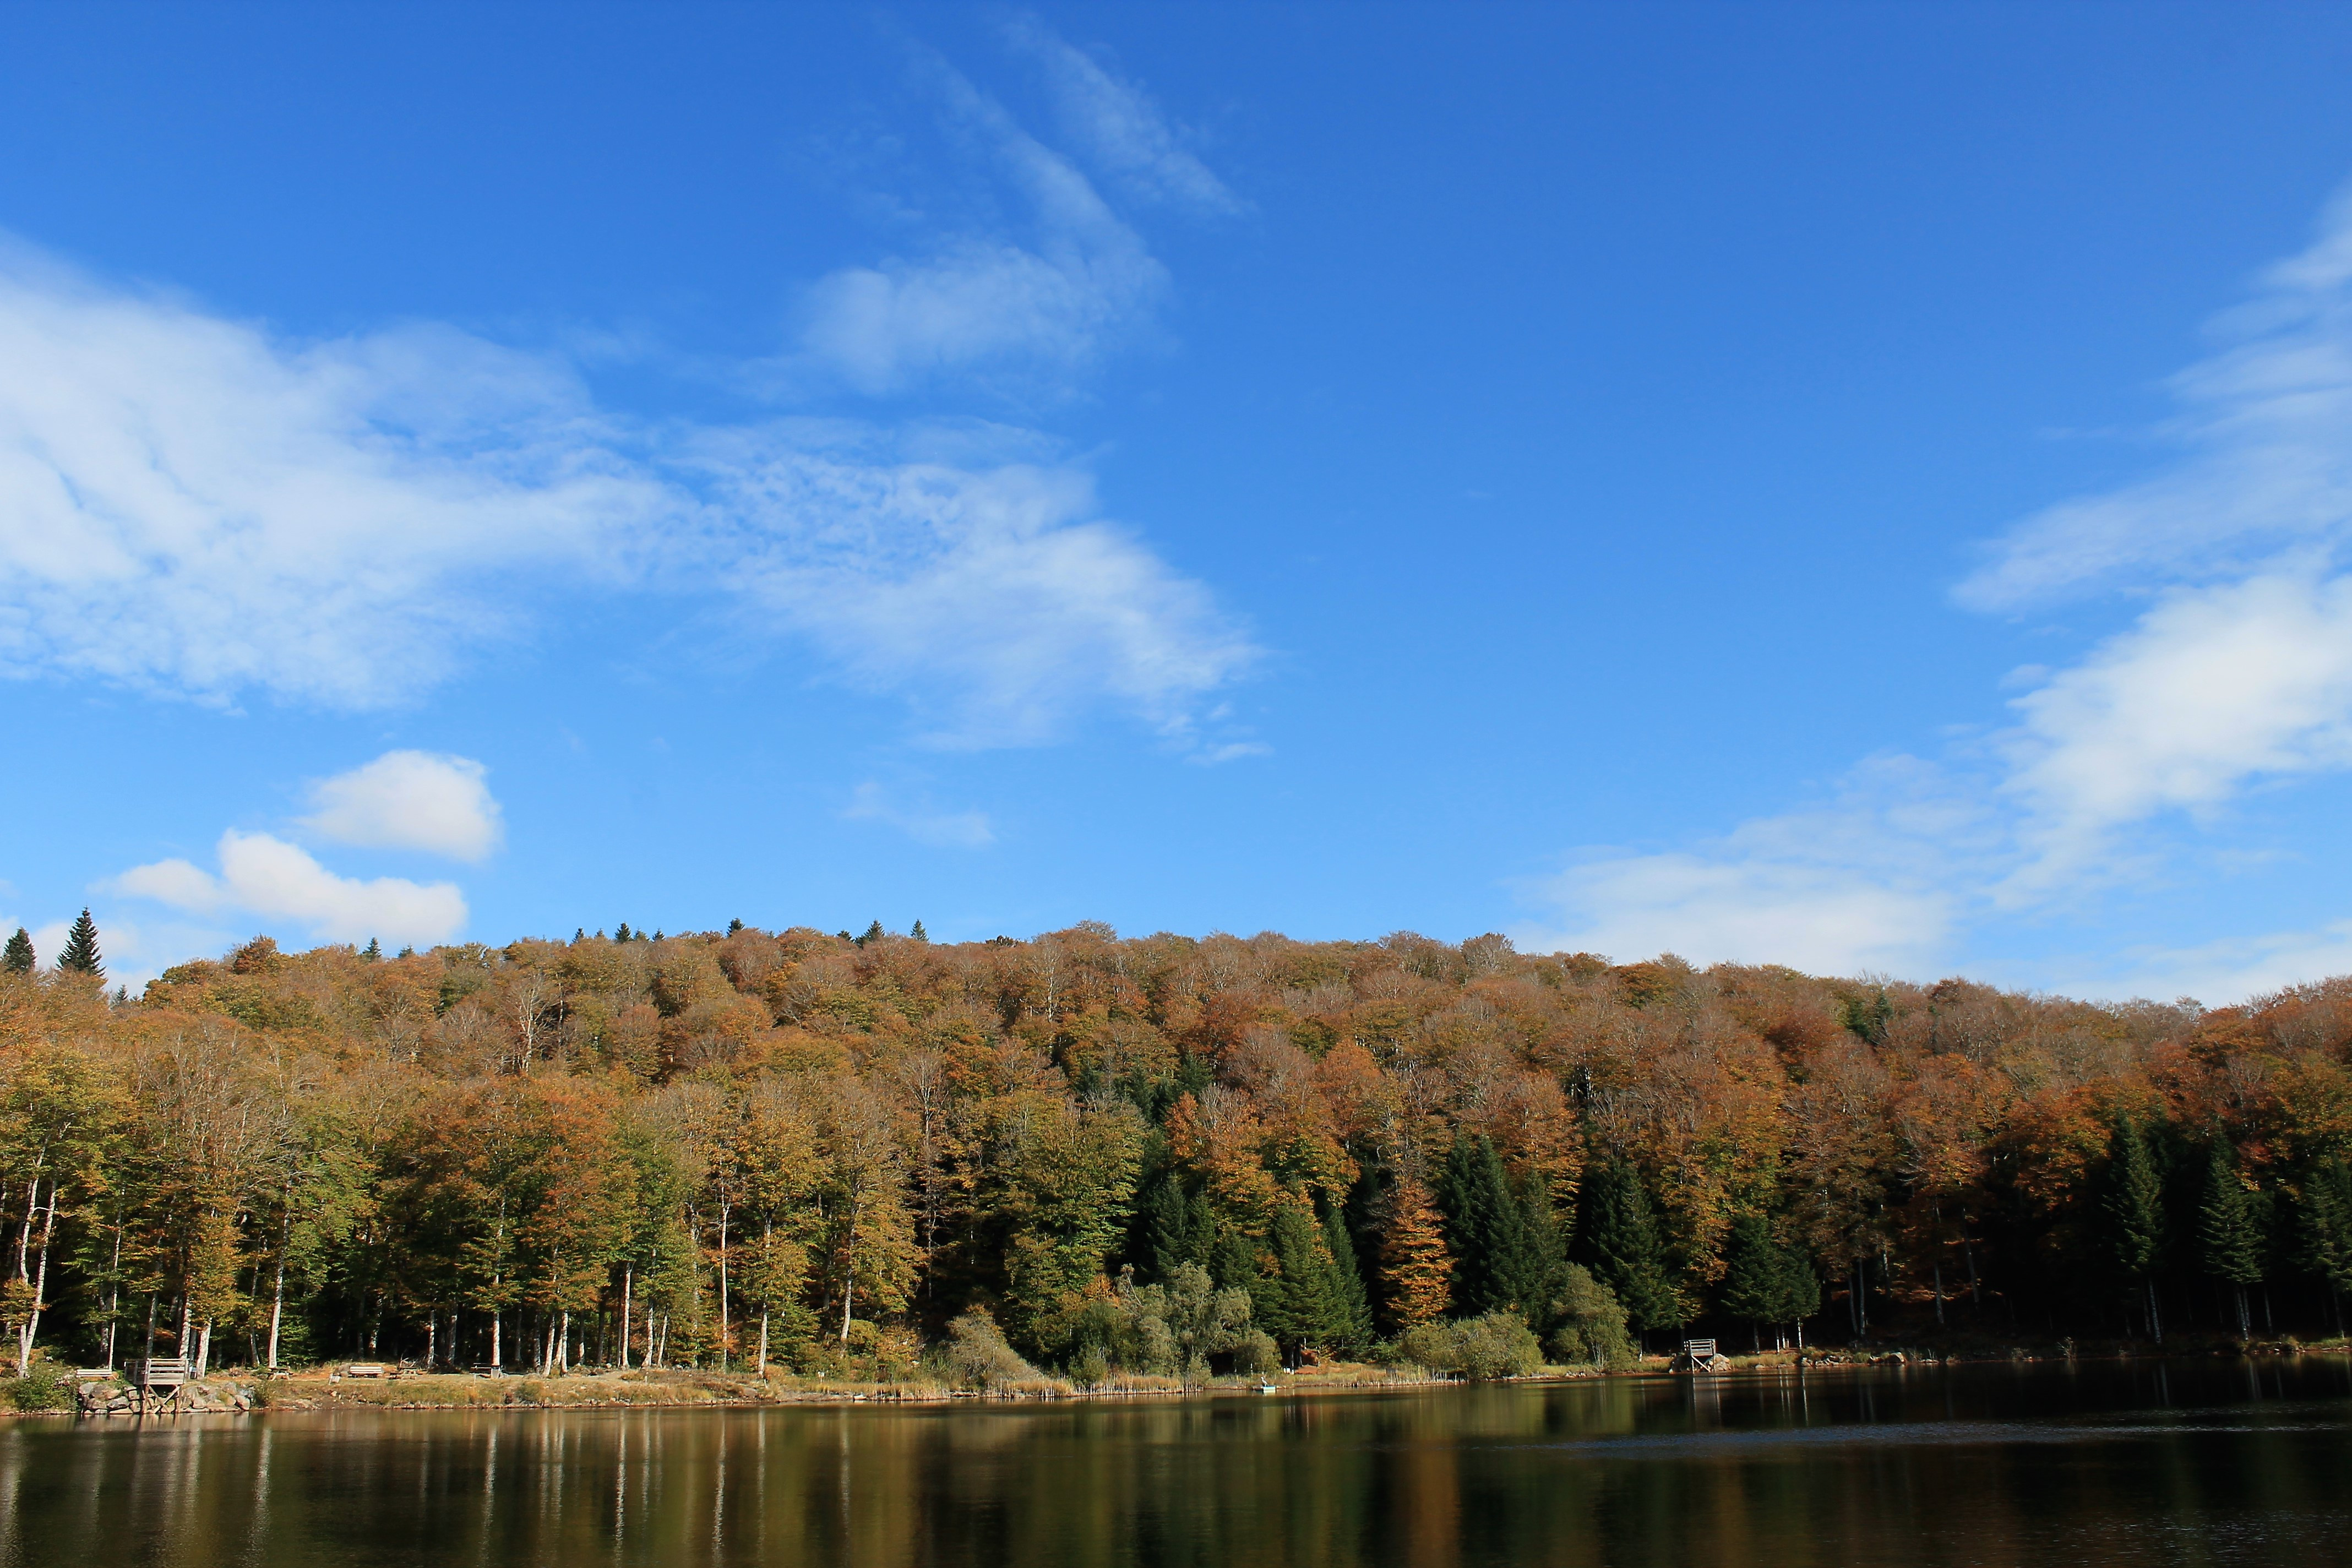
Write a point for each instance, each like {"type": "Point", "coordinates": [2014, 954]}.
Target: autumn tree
{"type": "Point", "coordinates": [1415, 1272]}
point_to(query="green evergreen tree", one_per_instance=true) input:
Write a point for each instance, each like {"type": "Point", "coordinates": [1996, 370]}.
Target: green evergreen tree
{"type": "Point", "coordinates": [373, 950]}
{"type": "Point", "coordinates": [80, 955]}
{"type": "Point", "coordinates": [918, 933]}
{"type": "Point", "coordinates": [1619, 1239]}
{"type": "Point", "coordinates": [1294, 1302]}
{"type": "Point", "coordinates": [1171, 1237]}
{"type": "Point", "coordinates": [872, 933]}
{"type": "Point", "coordinates": [1497, 1266]}
{"type": "Point", "coordinates": [18, 957]}
{"type": "Point", "coordinates": [1752, 1267]}
{"type": "Point", "coordinates": [621, 932]}
{"type": "Point", "coordinates": [1352, 1307]}
{"type": "Point", "coordinates": [2324, 1228]}
{"type": "Point", "coordinates": [2228, 1240]}
{"type": "Point", "coordinates": [2133, 1207]}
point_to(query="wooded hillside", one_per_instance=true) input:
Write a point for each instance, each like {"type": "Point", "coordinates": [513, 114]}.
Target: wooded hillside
{"type": "Point", "coordinates": [1135, 1152]}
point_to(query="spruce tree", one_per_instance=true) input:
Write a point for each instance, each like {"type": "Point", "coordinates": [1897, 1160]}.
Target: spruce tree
{"type": "Point", "coordinates": [1351, 1313]}
{"type": "Point", "coordinates": [2324, 1228]}
{"type": "Point", "coordinates": [621, 932]}
{"type": "Point", "coordinates": [1494, 1265]}
{"type": "Point", "coordinates": [918, 933]}
{"type": "Point", "coordinates": [1169, 1237]}
{"type": "Point", "coordinates": [734, 926]}
{"type": "Point", "coordinates": [1752, 1270]}
{"type": "Point", "coordinates": [18, 957]}
{"type": "Point", "coordinates": [2230, 1242]}
{"type": "Point", "coordinates": [80, 955]}
{"type": "Point", "coordinates": [373, 950]}
{"type": "Point", "coordinates": [1294, 1302]}
{"type": "Point", "coordinates": [2133, 1207]}
{"type": "Point", "coordinates": [1619, 1239]}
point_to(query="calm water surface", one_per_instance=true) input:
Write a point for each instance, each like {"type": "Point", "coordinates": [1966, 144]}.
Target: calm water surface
{"type": "Point", "coordinates": [2215, 1462]}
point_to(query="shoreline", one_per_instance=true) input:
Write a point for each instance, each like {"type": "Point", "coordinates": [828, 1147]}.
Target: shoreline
{"type": "Point", "coordinates": [239, 1391]}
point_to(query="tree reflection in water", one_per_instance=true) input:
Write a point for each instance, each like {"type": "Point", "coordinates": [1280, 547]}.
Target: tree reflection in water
{"type": "Point", "coordinates": [2114, 1463]}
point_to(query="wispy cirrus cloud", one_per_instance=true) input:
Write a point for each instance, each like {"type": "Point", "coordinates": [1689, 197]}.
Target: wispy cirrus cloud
{"type": "Point", "coordinates": [1118, 127]}
{"type": "Point", "coordinates": [1045, 296]}
{"type": "Point", "coordinates": [2238, 672]}
{"type": "Point", "coordinates": [198, 506]}
{"type": "Point", "coordinates": [923, 822]}
{"type": "Point", "coordinates": [193, 506]}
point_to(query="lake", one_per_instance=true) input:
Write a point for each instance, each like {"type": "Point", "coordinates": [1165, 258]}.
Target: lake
{"type": "Point", "coordinates": [2186, 1462]}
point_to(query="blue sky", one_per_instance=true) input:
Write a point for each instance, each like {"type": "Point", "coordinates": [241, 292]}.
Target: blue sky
{"type": "Point", "coordinates": [1864, 488]}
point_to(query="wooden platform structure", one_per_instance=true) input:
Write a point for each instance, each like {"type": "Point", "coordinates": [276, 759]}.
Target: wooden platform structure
{"type": "Point", "coordinates": [158, 1376]}
{"type": "Point", "coordinates": [1699, 1355]}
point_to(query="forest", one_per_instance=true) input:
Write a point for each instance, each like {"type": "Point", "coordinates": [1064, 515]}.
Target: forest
{"type": "Point", "coordinates": [1159, 1154]}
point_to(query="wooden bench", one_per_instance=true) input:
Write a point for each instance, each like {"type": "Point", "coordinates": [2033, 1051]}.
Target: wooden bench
{"type": "Point", "coordinates": [369, 1369]}
{"type": "Point", "coordinates": [1698, 1350]}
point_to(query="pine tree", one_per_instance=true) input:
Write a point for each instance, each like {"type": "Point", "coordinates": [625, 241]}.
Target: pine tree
{"type": "Point", "coordinates": [80, 955]}
{"type": "Point", "coordinates": [621, 932]}
{"type": "Point", "coordinates": [918, 933]}
{"type": "Point", "coordinates": [2133, 1206]}
{"type": "Point", "coordinates": [2324, 1228]}
{"type": "Point", "coordinates": [1169, 1239]}
{"type": "Point", "coordinates": [734, 926]}
{"type": "Point", "coordinates": [1752, 1271]}
{"type": "Point", "coordinates": [1294, 1302]}
{"type": "Point", "coordinates": [1351, 1313]}
{"type": "Point", "coordinates": [1619, 1239]}
{"type": "Point", "coordinates": [1415, 1272]}
{"type": "Point", "coordinates": [872, 933]}
{"type": "Point", "coordinates": [18, 957]}
{"type": "Point", "coordinates": [373, 950]}
{"type": "Point", "coordinates": [1495, 1267]}
{"type": "Point", "coordinates": [2227, 1237]}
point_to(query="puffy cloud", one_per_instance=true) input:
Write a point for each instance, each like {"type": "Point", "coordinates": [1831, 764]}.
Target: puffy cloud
{"type": "Point", "coordinates": [945, 829]}
{"type": "Point", "coordinates": [188, 505]}
{"type": "Point", "coordinates": [266, 875]}
{"type": "Point", "coordinates": [191, 506]}
{"type": "Point", "coordinates": [410, 800]}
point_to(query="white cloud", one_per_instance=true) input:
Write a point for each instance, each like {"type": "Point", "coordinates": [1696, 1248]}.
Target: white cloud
{"type": "Point", "coordinates": [944, 829]}
{"type": "Point", "coordinates": [2267, 428]}
{"type": "Point", "coordinates": [266, 875]}
{"type": "Point", "coordinates": [1081, 281]}
{"type": "Point", "coordinates": [191, 506]}
{"type": "Point", "coordinates": [1859, 884]}
{"type": "Point", "coordinates": [410, 800]}
{"type": "Point", "coordinates": [997, 590]}
{"type": "Point", "coordinates": [2219, 973]}
{"type": "Point", "coordinates": [1123, 132]}
{"type": "Point", "coordinates": [2239, 671]}
{"type": "Point", "coordinates": [2212, 687]}
{"type": "Point", "coordinates": [188, 505]}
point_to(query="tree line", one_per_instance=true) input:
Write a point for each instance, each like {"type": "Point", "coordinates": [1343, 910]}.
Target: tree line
{"type": "Point", "coordinates": [743, 1148]}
